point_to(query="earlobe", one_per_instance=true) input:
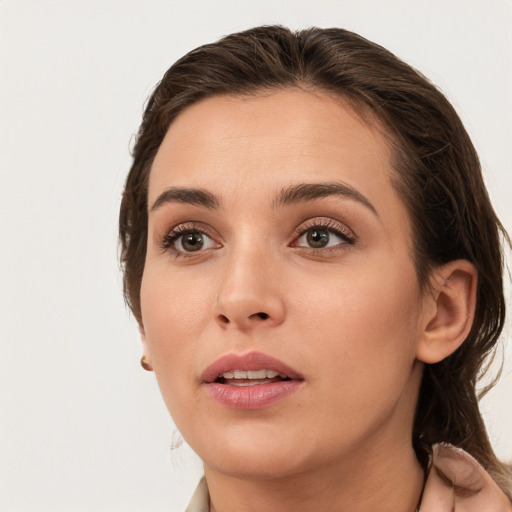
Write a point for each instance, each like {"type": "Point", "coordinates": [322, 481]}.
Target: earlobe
{"type": "Point", "coordinates": [145, 360]}
{"type": "Point", "coordinates": [449, 310]}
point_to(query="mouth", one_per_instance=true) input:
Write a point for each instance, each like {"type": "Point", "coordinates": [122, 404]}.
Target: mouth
{"type": "Point", "coordinates": [248, 369]}
{"type": "Point", "coordinates": [250, 381]}
{"type": "Point", "coordinates": [251, 377]}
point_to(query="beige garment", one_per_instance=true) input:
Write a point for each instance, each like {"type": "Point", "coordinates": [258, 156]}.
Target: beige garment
{"type": "Point", "coordinates": [456, 483]}
{"type": "Point", "coordinates": [200, 499]}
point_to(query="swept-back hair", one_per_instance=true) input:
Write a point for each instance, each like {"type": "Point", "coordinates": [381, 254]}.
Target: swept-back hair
{"type": "Point", "coordinates": [437, 174]}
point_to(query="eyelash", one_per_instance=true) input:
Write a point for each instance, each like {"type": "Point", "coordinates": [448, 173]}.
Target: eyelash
{"type": "Point", "coordinates": [179, 231]}
{"type": "Point", "coordinates": [332, 227]}
{"type": "Point", "coordinates": [326, 224]}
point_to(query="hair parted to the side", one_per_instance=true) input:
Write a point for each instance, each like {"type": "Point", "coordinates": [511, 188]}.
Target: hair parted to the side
{"type": "Point", "coordinates": [438, 176]}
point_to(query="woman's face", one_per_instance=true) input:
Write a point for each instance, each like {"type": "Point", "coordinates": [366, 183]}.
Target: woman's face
{"type": "Point", "coordinates": [281, 308]}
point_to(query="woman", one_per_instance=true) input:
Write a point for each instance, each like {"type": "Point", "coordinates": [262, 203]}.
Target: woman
{"type": "Point", "coordinates": [315, 267]}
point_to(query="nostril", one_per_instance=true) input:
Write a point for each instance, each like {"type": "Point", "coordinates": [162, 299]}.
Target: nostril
{"type": "Point", "coordinates": [224, 319]}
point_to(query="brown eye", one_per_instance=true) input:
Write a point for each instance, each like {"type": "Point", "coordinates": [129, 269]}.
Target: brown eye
{"type": "Point", "coordinates": [191, 242]}
{"type": "Point", "coordinates": [323, 237]}
{"type": "Point", "coordinates": [187, 241]}
{"type": "Point", "coordinates": [317, 238]}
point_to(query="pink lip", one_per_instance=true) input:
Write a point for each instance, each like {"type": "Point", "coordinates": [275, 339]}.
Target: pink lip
{"type": "Point", "coordinates": [257, 396]}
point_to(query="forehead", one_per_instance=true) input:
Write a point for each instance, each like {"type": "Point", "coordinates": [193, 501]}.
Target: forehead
{"type": "Point", "coordinates": [246, 143]}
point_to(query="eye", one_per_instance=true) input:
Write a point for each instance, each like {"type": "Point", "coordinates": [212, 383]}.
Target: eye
{"type": "Point", "coordinates": [187, 240]}
{"type": "Point", "coordinates": [319, 238]}
{"type": "Point", "coordinates": [324, 235]}
{"type": "Point", "coordinates": [193, 241]}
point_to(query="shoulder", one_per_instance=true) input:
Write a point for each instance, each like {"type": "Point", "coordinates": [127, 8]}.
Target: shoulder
{"type": "Point", "coordinates": [456, 481]}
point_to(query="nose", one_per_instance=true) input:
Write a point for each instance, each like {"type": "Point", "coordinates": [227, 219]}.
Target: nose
{"type": "Point", "coordinates": [249, 295]}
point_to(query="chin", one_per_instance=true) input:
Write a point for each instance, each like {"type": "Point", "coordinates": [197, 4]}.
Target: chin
{"type": "Point", "coordinates": [262, 467]}
{"type": "Point", "coordinates": [257, 457]}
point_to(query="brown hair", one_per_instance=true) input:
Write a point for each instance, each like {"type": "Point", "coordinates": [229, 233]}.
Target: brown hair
{"type": "Point", "coordinates": [438, 176]}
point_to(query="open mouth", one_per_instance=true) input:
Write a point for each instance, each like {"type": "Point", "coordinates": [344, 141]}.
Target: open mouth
{"type": "Point", "coordinates": [250, 380]}
{"type": "Point", "coordinates": [251, 377]}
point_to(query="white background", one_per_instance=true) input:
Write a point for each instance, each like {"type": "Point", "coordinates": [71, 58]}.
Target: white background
{"type": "Point", "coordinates": [82, 426]}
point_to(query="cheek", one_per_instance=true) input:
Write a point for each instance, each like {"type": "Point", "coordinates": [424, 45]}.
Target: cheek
{"type": "Point", "coordinates": [371, 301]}
{"type": "Point", "coordinates": [171, 306]}
{"type": "Point", "coordinates": [171, 319]}
{"type": "Point", "coordinates": [364, 327]}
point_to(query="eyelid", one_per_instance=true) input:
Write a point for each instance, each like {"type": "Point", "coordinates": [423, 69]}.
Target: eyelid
{"type": "Point", "coordinates": [328, 223]}
{"type": "Point", "coordinates": [171, 235]}
{"type": "Point", "coordinates": [338, 228]}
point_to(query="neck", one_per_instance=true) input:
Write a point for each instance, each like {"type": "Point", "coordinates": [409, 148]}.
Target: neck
{"type": "Point", "coordinates": [387, 480]}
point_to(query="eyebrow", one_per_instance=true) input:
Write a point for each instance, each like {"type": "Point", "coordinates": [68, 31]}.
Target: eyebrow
{"type": "Point", "coordinates": [290, 195]}
{"type": "Point", "coordinates": [194, 196]}
{"type": "Point", "coordinates": [310, 191]}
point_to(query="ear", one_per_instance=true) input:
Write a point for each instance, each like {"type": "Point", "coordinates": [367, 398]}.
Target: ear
{"type": "Point", "coordinates": [449, 309]}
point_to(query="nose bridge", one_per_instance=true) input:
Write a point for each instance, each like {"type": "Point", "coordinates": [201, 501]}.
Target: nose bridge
{"type": "Point", "coordinates": [248, 293]}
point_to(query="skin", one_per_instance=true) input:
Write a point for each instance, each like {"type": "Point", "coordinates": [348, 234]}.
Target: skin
{"type": "Point", "coordinates": [351, 317]}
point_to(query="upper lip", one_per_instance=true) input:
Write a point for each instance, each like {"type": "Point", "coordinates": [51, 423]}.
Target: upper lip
{"type": "Point", "coordinates": [247, 361]}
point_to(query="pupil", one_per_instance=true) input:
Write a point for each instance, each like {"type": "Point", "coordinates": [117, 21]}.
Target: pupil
{"type": "Point", "coordinates": [192, 242]}
{"type": "Point", "coordinates": [318, 238]}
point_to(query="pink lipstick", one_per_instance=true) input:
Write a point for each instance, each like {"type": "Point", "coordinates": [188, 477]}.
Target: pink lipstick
{"type": "Point", "coordinates": [250, 381]}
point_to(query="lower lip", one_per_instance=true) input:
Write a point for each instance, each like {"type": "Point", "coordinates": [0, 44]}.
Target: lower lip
{"type": "Point", "coordinates": [258, 396]}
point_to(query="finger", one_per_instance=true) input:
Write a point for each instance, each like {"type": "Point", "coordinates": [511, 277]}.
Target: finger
{"type": "Point", "coordinates": [457, 475]}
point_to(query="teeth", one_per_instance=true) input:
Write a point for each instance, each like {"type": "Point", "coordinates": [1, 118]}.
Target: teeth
{"type": "Point", "coordinates": [259, 374]}
{"type": "Point", "coordinates": [247, 383]}
{"type": "Point", "coordinates": [252, 374]}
